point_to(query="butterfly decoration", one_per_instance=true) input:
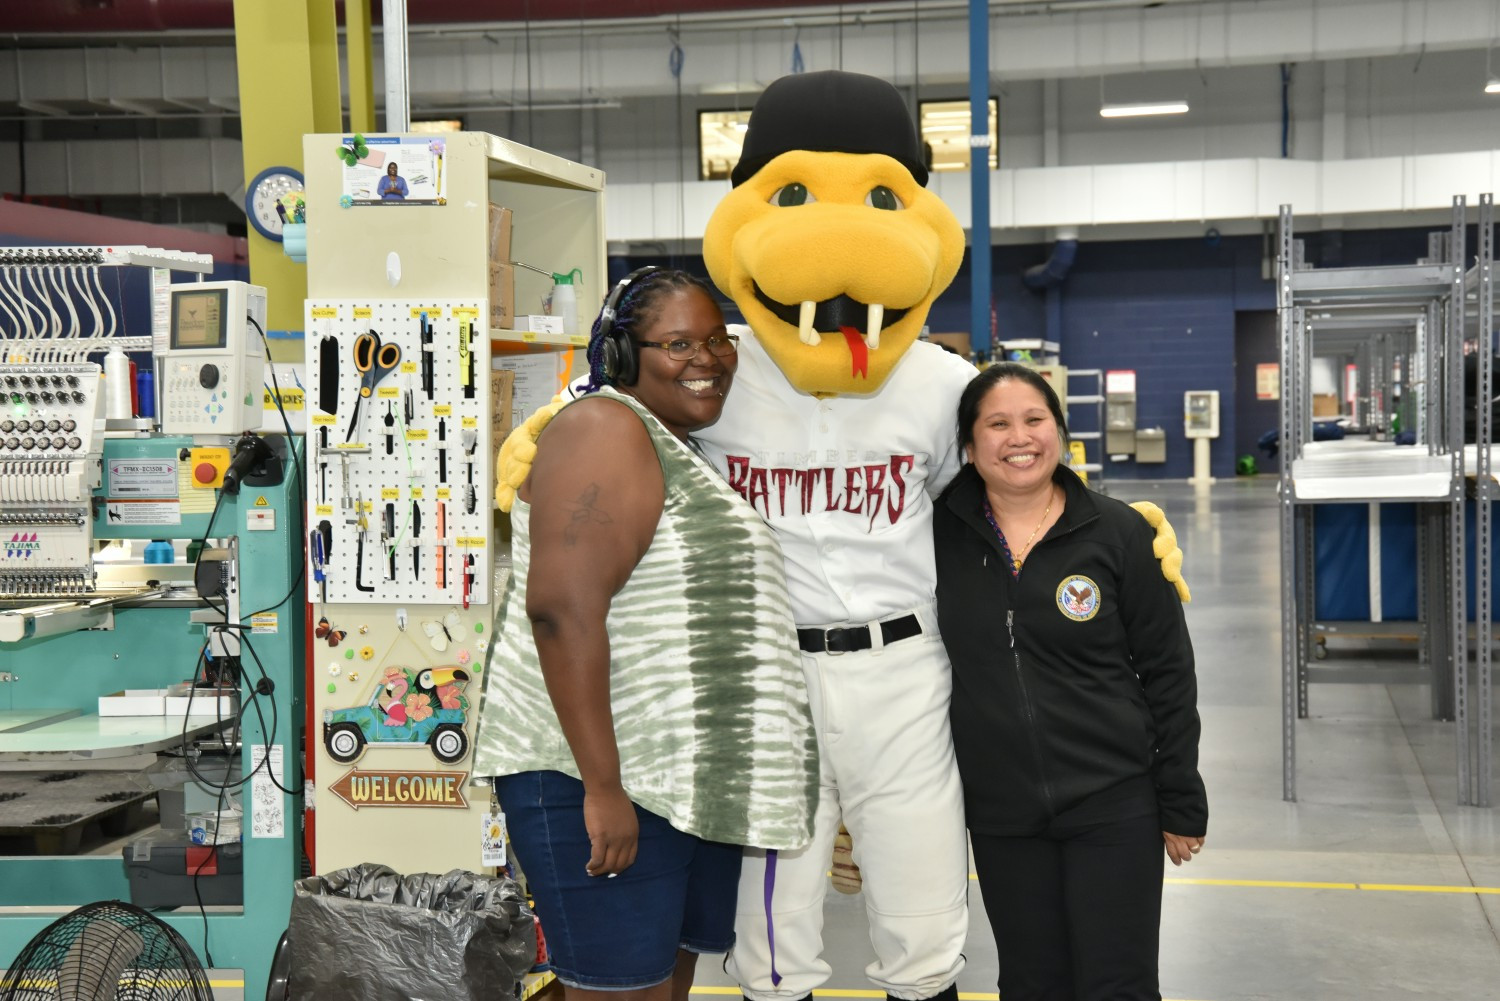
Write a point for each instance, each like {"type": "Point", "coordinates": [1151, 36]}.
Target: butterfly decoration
{"type": "Point", "coordinates": [324, 631]}
{"type": "Point", "coordinates": [354, 150]}
{"type": "Point", "coordinates": [440, 632]}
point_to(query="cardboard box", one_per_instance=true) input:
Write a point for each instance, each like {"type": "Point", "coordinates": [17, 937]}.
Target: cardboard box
{"type": "Point", "coordinates": [502, 296]}
{"type": "Point", "coordinates": [958, 342]}
{"type": "Point", "coordinates": [502, 384]}
{"type": "Point", "coordinates": [1325, 405]}
{"type": "Point", "coordinates": [500, 223]}
{"type": "Point", "coordinates": [134, 702]}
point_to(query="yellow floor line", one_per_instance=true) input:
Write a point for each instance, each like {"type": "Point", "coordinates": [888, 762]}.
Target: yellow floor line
{"type": "Point", "coordinates": [828, 992]}
{"type": "Point", "coordinates": [1291, 884]}
{"type": "Point", "coordinates": [1297, 885]}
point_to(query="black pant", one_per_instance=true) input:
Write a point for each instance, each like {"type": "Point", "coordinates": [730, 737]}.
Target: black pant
{"type": "Point", "coordinates": [1076, 910]}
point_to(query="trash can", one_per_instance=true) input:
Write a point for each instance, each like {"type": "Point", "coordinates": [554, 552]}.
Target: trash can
{"type": "Point", "coordinates": [370, 934]}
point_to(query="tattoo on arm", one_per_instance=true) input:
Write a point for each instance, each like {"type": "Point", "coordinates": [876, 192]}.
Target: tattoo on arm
{"type": "Point", "coordinates": [582, 513]}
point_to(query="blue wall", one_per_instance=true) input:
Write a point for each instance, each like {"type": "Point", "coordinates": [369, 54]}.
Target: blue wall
{"type": "Point", "coordinates": [1164, 308]}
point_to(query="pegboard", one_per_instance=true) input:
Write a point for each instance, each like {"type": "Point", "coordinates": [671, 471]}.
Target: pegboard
{"type": "Point", "coordinates": [401, 477]}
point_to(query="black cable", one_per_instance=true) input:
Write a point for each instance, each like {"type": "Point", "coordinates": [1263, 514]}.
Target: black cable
{"type": "Point", "coordinates": [296, 462]}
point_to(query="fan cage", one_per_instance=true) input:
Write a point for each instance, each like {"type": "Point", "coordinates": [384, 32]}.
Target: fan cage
{"type": "Point", "coordinates": [106, 951]}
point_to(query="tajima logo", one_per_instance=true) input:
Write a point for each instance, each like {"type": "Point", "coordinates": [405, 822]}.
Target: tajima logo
{"type": "Point", "coordinates": [22, 546]}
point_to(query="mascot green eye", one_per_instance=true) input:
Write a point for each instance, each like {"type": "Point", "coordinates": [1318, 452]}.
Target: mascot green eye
{"type": "Point", "coordinates": [790, 195]}
{"type": "Point", "coordinates": [882, 197]}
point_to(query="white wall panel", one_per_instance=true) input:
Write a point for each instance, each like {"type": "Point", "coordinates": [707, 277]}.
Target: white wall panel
{"type": "Point", "coordinates": [1362, 185]}
{"type": "Point", "coordinates": [1134, 192]}
{"type": "Point", "coordinates": [1434, 180]}
{"type": "Point", "coordinates": [1229, 189]}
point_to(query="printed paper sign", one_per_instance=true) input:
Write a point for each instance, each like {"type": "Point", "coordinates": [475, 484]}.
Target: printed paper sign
{"type": "Point", "coordinates": [398, 170]}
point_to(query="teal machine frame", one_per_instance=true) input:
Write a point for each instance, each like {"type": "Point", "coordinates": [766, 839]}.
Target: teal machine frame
{"type": "Point", "coordinates": [151, 644]}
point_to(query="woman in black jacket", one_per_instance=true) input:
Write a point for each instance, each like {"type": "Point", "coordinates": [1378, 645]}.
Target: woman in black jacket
{"type": "Point", "coordinates": [1074, 705]}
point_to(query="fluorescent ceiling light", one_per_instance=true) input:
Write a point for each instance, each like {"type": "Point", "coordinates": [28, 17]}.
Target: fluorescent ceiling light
{"type": "Point", "coordinates": [1136, 110]}
{"type": "Point", "coordinates": [1493, 86]}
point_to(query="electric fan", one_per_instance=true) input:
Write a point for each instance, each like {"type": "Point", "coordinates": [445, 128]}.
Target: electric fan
{"type": "Point", "coordinates": [106, 951]}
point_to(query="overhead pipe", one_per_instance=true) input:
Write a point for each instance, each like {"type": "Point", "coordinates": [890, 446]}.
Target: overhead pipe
{"type": "Point", "coordinates": [1052, 272]}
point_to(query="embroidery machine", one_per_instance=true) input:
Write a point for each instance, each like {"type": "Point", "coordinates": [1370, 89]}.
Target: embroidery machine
{"type": "Point", "coordinates": [157, 558]}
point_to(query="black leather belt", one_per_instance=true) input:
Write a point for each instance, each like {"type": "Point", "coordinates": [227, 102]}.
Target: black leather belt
{"type": "Point", "coordinates": [847, 639]}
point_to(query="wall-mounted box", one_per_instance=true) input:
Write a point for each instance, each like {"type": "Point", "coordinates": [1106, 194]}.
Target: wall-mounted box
{"type": "Point", "coordinates": [1150, 445]}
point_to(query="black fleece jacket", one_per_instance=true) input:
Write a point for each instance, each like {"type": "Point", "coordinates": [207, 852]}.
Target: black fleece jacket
{"type": "Point", "coordinates": [1075, 677]}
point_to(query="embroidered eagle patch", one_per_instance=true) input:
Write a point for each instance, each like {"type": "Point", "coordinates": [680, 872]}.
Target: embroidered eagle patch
{"type": "Point", "coordinates": [1078, 598]}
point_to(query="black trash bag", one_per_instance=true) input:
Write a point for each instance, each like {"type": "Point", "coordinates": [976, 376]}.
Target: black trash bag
{"type": "Point", "coordinates": [370, 934]}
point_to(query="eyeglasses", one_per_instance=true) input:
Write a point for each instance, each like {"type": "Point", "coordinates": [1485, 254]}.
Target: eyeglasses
{"type": "Point", "coordinates": [685, 349]}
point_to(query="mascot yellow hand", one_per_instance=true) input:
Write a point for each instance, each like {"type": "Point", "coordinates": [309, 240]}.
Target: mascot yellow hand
{"type": "Point", "coordinates": [513, 464]}
{"type": "Point", "coordinates": [1165, 547]}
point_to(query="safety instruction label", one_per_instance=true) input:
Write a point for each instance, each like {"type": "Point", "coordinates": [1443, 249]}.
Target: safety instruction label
{"type": "Point", "coordinates": [264, 622]}
{"type": "Point", "coordinates": [130, 511]}
{"type": "Point", "coordinates": [267, 812]}
{"type": "Point", "coordinates": [143, 477]}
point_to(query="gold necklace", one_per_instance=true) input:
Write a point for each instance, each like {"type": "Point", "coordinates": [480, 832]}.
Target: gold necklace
{"type": "Point", "coordinates": [1020, 556]}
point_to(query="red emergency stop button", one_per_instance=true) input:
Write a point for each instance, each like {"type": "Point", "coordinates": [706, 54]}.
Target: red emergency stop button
{"type": "Point", "coordinates": [205, 472]}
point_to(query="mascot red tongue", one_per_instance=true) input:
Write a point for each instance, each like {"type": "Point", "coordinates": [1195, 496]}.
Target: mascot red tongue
{"type": "Point", "coordinates": [839, 431]}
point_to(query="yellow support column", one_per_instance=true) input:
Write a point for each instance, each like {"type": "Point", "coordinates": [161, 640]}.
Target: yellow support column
{"type": "Point", "coordinates": [287, 51]}
{"type": "Point", "coordinates": [360, 49]}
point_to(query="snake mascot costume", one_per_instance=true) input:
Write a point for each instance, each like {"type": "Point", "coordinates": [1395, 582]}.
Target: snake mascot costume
{"type": "Point", "coordinates": [840, 432]}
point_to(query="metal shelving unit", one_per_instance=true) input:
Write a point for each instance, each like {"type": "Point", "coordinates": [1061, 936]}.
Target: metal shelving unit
{"type": "Point", "coordinates": [1096, 400]}
{"type": "Point", "coordinates": [1419, 313]}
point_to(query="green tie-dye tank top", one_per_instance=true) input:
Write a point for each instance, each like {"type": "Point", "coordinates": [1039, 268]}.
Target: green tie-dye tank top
{"type": "Point", "coordinates": [706, 684]}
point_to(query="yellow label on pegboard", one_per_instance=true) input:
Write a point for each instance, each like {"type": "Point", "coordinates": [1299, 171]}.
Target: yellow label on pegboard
{"type": "Point", "coordinates": [325, 312]}
{"type": "Point", "coordinates": [291, 399]}
{"type": "Point", "coordinates": [363, 312]}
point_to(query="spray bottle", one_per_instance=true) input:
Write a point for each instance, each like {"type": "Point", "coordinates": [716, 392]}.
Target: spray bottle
{"type": "Point", "coordinates": [565, 299]}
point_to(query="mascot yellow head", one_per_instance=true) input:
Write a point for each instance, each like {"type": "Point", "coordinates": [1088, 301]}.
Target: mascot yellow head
{"type": "Point", "coordinates": [830, 242]}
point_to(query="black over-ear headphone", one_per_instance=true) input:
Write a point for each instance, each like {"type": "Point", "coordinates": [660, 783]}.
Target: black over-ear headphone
{"type": "Point", "coordinates": [622, 365]}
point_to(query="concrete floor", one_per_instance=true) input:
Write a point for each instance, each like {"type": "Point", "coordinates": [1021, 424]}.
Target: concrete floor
{"type": "Point", "coordinates": [1376, 805]}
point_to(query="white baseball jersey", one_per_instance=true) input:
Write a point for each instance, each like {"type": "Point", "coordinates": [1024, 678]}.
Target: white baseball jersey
{"type": "Point", "coordinates": [847, 482]}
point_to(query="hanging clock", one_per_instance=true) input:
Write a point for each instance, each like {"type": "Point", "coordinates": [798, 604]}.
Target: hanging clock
{"type": "Point", "coordinates": [263, 193]}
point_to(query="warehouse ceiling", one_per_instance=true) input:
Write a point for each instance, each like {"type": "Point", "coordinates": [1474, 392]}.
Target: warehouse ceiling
{"type": "Point", "coordinates": [50, 22]}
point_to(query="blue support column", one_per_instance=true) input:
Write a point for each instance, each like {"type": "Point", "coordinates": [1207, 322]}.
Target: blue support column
{"type": "Point", "coordinates": [979, 174]}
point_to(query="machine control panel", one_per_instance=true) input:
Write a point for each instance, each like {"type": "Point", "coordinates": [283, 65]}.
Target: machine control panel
{"type": "Point", "coordinates": [49, 464]}
{"type": "Point", "coordinates": [211, 377]}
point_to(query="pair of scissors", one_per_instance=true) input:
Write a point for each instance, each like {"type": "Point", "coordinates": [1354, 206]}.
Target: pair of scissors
{"type": "Point", "coordinates": [374, 361]}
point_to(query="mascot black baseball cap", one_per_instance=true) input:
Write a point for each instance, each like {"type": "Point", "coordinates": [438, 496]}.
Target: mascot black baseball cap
{"type": "Point", "coordinates": [830, 111]}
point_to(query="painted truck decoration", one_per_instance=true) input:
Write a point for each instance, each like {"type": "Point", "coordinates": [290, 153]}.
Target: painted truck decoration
{"type": "Point", "coordinates": [408, 707]}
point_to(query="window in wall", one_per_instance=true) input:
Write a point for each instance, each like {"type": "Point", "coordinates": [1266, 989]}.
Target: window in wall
{"type": "Point", "coordinates": [945, 127]}
{"type": "Point", "coordinates": [437, 125]}
{"type": "Point", "coordinates": [721, 134]}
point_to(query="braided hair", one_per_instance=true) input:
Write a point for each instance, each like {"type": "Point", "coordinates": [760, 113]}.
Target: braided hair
{"type": "Point", "coordinates": [635, 311]}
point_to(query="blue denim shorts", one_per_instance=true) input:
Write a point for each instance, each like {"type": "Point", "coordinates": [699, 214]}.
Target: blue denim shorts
{"type": "Point", "coordinates": [621, 933]}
